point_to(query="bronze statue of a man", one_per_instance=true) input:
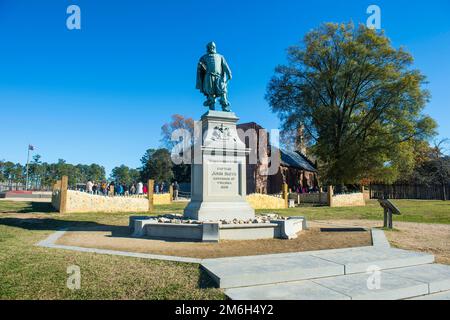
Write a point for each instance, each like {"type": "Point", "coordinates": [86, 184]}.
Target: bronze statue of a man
{"type": "Point", "coordinates": [213, 75]}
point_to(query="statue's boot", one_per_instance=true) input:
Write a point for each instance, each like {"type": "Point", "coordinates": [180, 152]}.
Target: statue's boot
{"type": "Point", "coordinates": [211, 102]}
{"type": "Point", "coordinates": [225, 106]}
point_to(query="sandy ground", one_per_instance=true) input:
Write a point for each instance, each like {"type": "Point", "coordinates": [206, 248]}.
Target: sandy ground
{"type": "Point", "coordinates": [430, 238]}
{"type": "Point", "coordinates": [313, 239]}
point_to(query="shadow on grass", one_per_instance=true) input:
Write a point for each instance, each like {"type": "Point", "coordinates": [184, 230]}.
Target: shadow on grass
{"type": "Point", "coordinates": [30, 207]}
{"type": "Point", "coordinates": [205, 281]}
{"type": "Point", "coordinates": [43, 207]}
{"type": "Point", "coordinates": [49, 224]}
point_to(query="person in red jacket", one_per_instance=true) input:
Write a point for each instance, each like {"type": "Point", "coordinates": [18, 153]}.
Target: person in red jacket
{"type": "Point", "coordinates": [145, 189]}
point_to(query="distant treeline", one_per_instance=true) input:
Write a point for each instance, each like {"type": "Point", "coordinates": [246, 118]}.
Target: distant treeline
{"type": "Point", "coordinates": [42, 174]}
{"type": "Point", "coordinates": [156, 164]}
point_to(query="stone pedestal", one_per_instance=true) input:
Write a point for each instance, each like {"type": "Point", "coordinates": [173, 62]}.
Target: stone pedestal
{"type": "Point", "coordinates": [218, 173]}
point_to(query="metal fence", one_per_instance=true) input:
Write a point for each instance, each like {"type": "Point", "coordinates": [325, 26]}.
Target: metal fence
{"type": "Point", "coordinates": [184, 194]}
{"type": "Point", "coordinates": [419, 192]}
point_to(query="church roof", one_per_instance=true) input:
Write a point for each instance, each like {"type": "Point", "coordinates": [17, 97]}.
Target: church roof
{"type": "Point", "coordinates": [292, 159]}
{"type": "Point", "coordinates": [296, 160]}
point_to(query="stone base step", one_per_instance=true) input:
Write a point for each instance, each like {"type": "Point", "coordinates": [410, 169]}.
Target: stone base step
{"type": "Point", "coordinates": [270, 269]}
{"type": "Point", "coordinates": [267, 269]}
{"type": "Point", "coordinates": [434, 296]}
{"type": "Point", "coordinates": [421, 282]}
{"type": "Point", "coordinates": [359, 260]}
{"type": "Point", "coordinates": [437, 276]}
{"type": "Point", "coordinates": [300, 290]}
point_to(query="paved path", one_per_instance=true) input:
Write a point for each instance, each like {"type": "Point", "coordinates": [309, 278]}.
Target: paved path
{"type": "Point", "coordinates": [369, 273]}
{"type": "Point", "coordinates": [47, 200]}
{"type": "Point", "coordinates": [50, 242]}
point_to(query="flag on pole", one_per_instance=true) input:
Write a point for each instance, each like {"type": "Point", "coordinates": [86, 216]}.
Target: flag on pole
{"type": "Point", "coordinates": [30, 147]}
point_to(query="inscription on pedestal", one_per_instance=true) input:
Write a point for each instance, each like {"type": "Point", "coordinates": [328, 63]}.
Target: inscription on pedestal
{"type": "Point", "coordinates": [218, 182]}
{"type": "Point", "coordinates": [223, 179]}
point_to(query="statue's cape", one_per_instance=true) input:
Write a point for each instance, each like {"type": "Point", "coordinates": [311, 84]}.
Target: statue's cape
{"type": "Point", "coordinates": [201, 71]}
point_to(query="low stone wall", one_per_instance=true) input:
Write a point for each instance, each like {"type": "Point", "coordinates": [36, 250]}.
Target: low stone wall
{"type": "Point", "coordinates": [366, 195]}
{"type": "Point", "coordinates": [263, 201]}
{"type": "Point", "coordinates": [348, 200]}
{"type": "Point", "coordinates": [84, 202]}
{"type": "Point", "coordinates": [162, 198]}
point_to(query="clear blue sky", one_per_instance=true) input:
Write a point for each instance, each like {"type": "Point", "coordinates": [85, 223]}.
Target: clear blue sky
{"type": "Point", "coordinates": [102, 93]}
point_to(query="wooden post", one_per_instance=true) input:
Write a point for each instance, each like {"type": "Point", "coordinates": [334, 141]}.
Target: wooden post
{"type": "Point", "coordinates": [385, 218]}
{"type": "Point", "coordinates": [320, 195]}
{"type": "Point", "coordinates": [286, 195]}
{"type": "Point", "coordinates": [63, 194]}
{"type": "Point", "coordinates": [387, 221]}
{"type": "Point", "coordinates": [390, 224]}
{"type": "Point", "coordinates": [330, 196]}
{"type": "Point", "coordinates": [57, 185]}
{"type": "Point", "coordinates": [171, 193]}
{"type": "Point", "coordinates": [151, 188]}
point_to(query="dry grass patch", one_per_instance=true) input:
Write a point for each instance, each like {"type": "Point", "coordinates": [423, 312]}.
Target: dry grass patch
{"type": "Point", "coordinates": [430, 238]}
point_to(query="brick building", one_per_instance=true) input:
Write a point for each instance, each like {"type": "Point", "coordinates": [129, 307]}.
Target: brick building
{"type": "Point", "coordinates": [295, 168]}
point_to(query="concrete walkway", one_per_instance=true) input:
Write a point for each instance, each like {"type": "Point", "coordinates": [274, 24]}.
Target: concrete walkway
{"type": "Point", "coordinates": [394, 284]}
{"type": "Point", "coordinates": [50, 242]}
{"type": "Point", "coordinates": [370, 273]}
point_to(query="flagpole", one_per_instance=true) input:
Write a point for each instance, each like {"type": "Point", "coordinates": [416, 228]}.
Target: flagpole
{"type": "Point", "coordinates": [28, 161]}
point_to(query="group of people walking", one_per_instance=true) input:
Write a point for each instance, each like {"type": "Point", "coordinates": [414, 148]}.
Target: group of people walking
{"type": "Point", "coordinates": [122, 189]}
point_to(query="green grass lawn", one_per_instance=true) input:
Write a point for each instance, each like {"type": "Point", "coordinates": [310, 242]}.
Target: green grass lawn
{"type": "Point", "coordinates": [31, 272]}
{"type": "Point", "coordinates": [412, 211]}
